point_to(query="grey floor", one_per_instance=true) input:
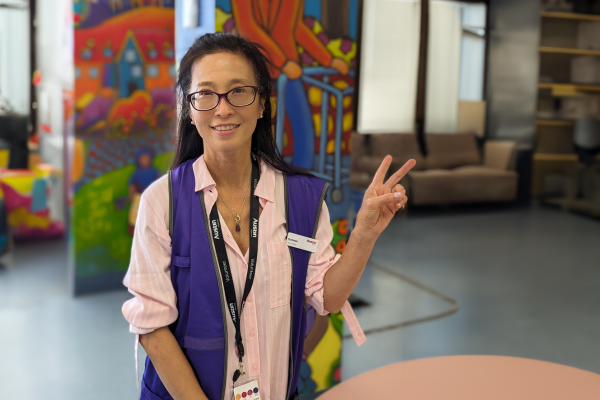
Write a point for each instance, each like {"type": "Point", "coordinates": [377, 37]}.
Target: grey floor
{"type": "Point", "coordinates": [527, 282]}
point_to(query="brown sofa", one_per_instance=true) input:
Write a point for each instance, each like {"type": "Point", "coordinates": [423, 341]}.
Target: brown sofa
{"type": "Point", "coordinates": [453, 172]}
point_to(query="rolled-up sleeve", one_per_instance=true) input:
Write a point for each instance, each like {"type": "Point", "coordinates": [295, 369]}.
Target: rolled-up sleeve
{"type": "Point", "coordinates": [318, 265]}
{"type": "Point", "coordinates": [149, 275]}
{"type": "Point", "coordinates": [320, 262]}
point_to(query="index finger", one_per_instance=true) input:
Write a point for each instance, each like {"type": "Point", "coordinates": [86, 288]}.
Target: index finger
{"type": "Point", "coordinates": [382, 170]}
{"type": "Point", "coordinates": [398, 175]}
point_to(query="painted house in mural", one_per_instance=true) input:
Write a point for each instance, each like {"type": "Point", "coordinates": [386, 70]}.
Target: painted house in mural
{"type": "Point", "coordinates": [145, 61]}
{"type": "Point", "coordinates": [141, 59]}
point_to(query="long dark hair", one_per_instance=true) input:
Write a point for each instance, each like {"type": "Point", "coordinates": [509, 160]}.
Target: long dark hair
{"type": "Point", "coordinates": [189, 142]}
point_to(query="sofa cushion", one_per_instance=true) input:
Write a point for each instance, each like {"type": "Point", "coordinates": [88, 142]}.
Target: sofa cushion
{"type": "Point", "coordinates": [451, 150]}
{"type": "Point", "coordinates": [401, 146]}
{"type": "Point", "coordinates": [469, 184]}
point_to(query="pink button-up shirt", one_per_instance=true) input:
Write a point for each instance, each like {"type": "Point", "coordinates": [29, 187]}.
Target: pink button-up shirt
{"type": "Point", "coordinates": [265, 321]}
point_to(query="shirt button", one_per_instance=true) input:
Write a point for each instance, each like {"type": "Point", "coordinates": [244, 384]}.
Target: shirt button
{"type": "Point", "coordinates": [254, 367]}
{"type": "Point", "coordinates": [252, 333]}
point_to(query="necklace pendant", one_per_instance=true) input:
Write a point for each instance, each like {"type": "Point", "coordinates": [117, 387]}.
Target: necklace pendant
{"type": "Point", "coordinates": [237, 227]}
{"type": "Point", "coordinates": [237, 223]}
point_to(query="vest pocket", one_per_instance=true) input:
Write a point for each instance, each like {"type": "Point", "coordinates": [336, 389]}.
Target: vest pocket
{"type": "Point", "coordinates": [280, 268]}
{"type": "Point", "coordinates": [179, 261]}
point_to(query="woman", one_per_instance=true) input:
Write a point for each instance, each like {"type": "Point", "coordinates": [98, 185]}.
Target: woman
{"type": "Point", "coordinates": [230, 184]}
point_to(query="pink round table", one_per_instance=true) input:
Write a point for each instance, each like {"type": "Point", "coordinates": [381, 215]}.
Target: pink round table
{"type": "Point", "coordinates": [475, 377]}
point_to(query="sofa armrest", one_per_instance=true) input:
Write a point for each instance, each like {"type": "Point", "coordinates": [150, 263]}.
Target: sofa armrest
{"type": "Point", "coordinates": [499, 154]}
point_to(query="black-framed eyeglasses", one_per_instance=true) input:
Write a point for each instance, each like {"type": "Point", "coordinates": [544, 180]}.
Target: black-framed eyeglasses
{"type": "Point", "coordinates": [206, 100]}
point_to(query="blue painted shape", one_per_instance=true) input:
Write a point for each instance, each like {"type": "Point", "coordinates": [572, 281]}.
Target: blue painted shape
{"type": "Point", "coordinates": [107, 76]}
{"type": "Point", "coordinates": [127, 81]}
{"type": "Point", "coordinates": [353, 18]}
{"type": "Point", "coordinates": [38, 196]}
{"type": "Point", "coordinates": [225, 5]}
{"type": "Point", "coordinates": [298, 111]}
{"type": "Point", "coordinates": [312, 8]}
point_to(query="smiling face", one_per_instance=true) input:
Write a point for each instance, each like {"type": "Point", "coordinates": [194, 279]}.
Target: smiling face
{"type": "Point", "coordinates": [226, 128]}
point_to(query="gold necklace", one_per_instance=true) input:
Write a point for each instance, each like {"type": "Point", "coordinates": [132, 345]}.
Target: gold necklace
{"type": "Point", "coordinates": [237, 216]}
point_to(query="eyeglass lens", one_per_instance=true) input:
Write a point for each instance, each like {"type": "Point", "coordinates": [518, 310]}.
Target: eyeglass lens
{"type": "Point", "coordinates": [238, 97]}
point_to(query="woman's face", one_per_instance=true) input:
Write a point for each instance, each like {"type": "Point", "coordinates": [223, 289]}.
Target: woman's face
{"type": "Point", "coordinates": [225, 128]}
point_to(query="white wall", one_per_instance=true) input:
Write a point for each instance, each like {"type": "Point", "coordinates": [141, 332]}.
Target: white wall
{"type": "Point", "coordinates": [14, 58]}
{"type": "Point", "coordinates": [55, 60]}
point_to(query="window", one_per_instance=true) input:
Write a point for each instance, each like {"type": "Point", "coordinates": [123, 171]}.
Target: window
{"type": "Point", "coordinates": [152, 70]}
{"type": "Point", "coordinates": [136, 71]}
{"type": "Point", "coordinates": [152, 53]}
{"type": "Point", "coordinates": [86, 54]}
{"type": "Point", "coordinates": [472, 61]}
{"type": "Point", "coordinates": [107, 52]}
{"type": "Point", "coordinates": [93, 72]}
{"type": "Point", "coordinates": [443, 67]}
{"type": "Point", "coordinates": [169, 53]}
{"type": "Point", "coordinates": [455, 68]}
{"type": "Point", "coordinates": [172, 71]}
{"type": "Point", "coordinates": [77, 72]}
{"type": "Point", "coordinates": [130, 56]}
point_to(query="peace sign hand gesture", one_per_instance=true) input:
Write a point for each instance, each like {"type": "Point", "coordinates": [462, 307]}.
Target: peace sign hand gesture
{"type": "Point", "coordinates": [382, 200]}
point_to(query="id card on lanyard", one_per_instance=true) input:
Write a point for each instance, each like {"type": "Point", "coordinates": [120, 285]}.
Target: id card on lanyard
{"type": "Point", "coordinates": [227, 279]}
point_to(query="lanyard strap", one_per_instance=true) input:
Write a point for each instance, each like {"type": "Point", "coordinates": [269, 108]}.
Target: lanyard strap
{"type": "Point", "coordinates": [224, 265]}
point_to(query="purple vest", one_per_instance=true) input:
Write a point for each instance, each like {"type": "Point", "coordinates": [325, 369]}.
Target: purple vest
{"type": "Point", "coordinates": [201, 328]}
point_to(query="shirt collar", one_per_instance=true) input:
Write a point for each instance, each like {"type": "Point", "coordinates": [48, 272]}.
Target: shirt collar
{"type": "Point", "coordinates": [265, 188]}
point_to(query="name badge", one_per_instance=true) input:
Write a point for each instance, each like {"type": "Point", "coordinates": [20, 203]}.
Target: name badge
{"type": "Point", "coordinates": [247, 391]}
{"type": "Point", "coordinates": [302, 242]}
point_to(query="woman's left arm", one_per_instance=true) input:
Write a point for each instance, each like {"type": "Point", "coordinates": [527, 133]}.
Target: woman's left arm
{"type": "Point", "coordinates": [380, 203]}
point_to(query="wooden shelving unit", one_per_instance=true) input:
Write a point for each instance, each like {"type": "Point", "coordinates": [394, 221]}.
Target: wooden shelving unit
{"type": "Point", "coordinates": [553, 122]}
{"type": "Point", "coordinates": [568, 15]}
{"type": "Point", "coordinates": [554, 152]}
{"type": "Point", "coordinates": [563, 50]}
{"type": "Point", "coordinates": [557, 157]}
{"type": "Point", "coordinates": [569, 87]}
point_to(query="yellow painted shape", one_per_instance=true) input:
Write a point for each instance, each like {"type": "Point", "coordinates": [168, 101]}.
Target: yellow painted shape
{"type": "Point", "coordinates": [334, 47]}
{"type": "Point", "coordinates": [323, 357]}
{"type": "Point", "coordinates": [347, 121]}
{"type": "Point", "coordinates": [78, 160]}
{"type": "Point", "coordinates": [220, 18]}
{"type": "Point", "coordinates": [315, 96]}
{"type": "Point", "coordinates": [347, 101]}
{"type": "Point", "coordinates": [340, 84]}
{"type": "Point", "coordinates": [317, 123]}
{"type": "Point", "coordinates": [330, 146]}
{"type": "Point", "coordinates": [4, 157]}
{"type": "Point", "coordinates": [84, 100]}
{"type": "Point", "coordinates": [22, 184]}
{"type": "Point", "coordinates": [317, 27]}
{"type": "Point", "coordinates": [20, 216]}
{"type": "Point", "coordinates": [273, 106]}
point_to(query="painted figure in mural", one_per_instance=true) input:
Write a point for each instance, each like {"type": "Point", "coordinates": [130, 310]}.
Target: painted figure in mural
{"type": "Point", "coordinates": [139, 181]}
{"type": "Point", "coordinates": [233, 201]}
{"type": "Point", "coordinates": [278, 26]}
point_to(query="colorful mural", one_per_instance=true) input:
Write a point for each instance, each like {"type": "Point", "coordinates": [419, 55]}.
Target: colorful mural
{"type": "Point", "coordinates": [25, 194]}
{"type": "Point", "coordinates": [124, 124]}
{"type": "Point", "coordinates": [312, 49]}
